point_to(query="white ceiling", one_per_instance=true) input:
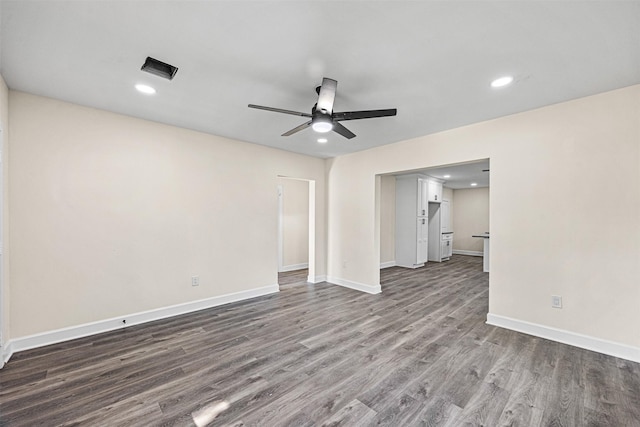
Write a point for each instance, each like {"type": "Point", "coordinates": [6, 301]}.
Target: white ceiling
{"type": "Point", "coordinates": [433, 61]}
{"type": "Point", "coordinates": [462, 175]}
{"type": "Point", "coordinates": [459, 176]}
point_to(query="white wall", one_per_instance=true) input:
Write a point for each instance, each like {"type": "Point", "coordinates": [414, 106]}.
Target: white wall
{"type": "Point", "coordinates": [113, 215]}
{"type": "Point", "coordinates": [387, 219]}
{"type": "Point", "coordinates": [470, 217]}
{"type": "Point", "coordinates": [551, 169]}
{"type": "Point", "coordinates": [295, 223]}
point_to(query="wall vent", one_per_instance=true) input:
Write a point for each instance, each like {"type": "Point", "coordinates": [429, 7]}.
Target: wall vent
{"type": "Point", "coordinates": [159, 68]}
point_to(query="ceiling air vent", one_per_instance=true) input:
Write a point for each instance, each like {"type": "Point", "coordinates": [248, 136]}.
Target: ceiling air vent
{"type": "Point", "coordinates": [159, 68]}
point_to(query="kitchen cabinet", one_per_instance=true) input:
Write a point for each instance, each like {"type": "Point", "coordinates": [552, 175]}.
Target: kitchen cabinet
{"type": "Point", "coordinates": [418, 226]}
{"type": "Point", "coordinates": [423, 239]}
{"type": "Point", "coordinates": [445, 216]}
{"type": "Point", "coordinates": [434, 232]}
{"type": "Point", "coordinates": [435, 190]}
{"type": "Point", "coordinates": [412, 228]}
{"type": "Point", "coordinates": [423, 196]}
{"type": "Point", "coordinates": [446, 248]}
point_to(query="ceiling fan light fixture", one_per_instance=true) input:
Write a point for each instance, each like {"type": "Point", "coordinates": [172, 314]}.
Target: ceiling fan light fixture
{"type": "Point", "coordinates": [322, 125]}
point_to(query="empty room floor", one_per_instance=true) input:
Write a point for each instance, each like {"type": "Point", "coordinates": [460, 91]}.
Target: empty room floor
{"type": "Point", "coordinates": [420, 353]}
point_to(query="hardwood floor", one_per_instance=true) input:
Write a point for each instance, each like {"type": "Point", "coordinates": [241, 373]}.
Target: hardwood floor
{"type": "Point", "coordinates": [417, 354]}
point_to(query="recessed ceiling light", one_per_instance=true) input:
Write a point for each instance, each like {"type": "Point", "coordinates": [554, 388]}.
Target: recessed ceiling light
{"type": "Point", "coordinates": [147, 90]}
{"type": "Point", "coordinates": [473, 184]}
{"type": "Point", "coordinates": [502, 81]}
{"type": "Point", "coordinates": [322, 140]}
{"type": "Point", "coordinates": [446, 176]}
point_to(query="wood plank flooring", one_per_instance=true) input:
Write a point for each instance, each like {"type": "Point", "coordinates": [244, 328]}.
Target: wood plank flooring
{"type": "Point", "coordinates": [420, 353]}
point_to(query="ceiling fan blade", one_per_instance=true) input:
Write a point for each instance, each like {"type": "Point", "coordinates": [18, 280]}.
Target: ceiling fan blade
{"type": "Point", "coordinates": [327, 95]}
{"type": "Point", "coordinates": [338, 128]}
{"type": "Point", "coordinates": [279, 110]}
{"type": "Point", "coordinates": [297, 129]}
{"type": "Point", "coordinates": [368, 114]}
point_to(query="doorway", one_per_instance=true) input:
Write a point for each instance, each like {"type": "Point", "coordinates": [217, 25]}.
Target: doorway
{"type": "Point", "coordinates": [296, 230]}
{"type": "Point", "coordinates": [462, 211]}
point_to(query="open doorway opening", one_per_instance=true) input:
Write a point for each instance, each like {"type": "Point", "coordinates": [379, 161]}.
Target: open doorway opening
{"type": "Point", "coordinates": [431, 215]}
{"type": "Point", "coordinates": [296, 230]}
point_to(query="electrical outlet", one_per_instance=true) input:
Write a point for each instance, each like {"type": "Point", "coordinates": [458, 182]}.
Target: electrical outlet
{"type": "Point", "coordinates": [556, 301]}
{"type": "Point", "coordinates": [195, 280]}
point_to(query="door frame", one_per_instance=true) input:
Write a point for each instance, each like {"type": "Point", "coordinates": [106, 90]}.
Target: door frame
{"type": "Point", "coordinates": [312, 226]}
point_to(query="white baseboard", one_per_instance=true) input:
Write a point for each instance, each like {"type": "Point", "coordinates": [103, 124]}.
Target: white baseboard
{"type": "Point", "coordinates": [610, 348]}
{"type": "Point", "coordinates": [7, 352]}
{"type": "Point", "coordinates": [472, 253]}
{"type": "Point", "coordinates": [387, 264]}
{"type": "Point", "coordinates": [293, 267]}
{"type": "Point", "coordinates": [52, 337]}
{"type": "Point", "coordinates": [317, 279]}
{"type": "Point", "coordinates": [370, 289]}
{"type": "Point", "coordinates": [411, 266]}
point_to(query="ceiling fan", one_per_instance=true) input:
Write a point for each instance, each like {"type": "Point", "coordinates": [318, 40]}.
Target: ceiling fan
{"type": "Point", "coordinates": [323, 119]}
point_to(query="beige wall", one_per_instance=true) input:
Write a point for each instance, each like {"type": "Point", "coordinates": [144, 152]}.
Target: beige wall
{"type": "Point", "coordinates": [112, 215]}
{"type": "Point", "coordinates": [115, 214]}
{"type": "Point", "coordinates": [387, 219]}
{"type": "Point", "coordinates": [471, 217]}
{"type": "Point", "coordinates": [295, 222]}
{"type": "Point", "coordinates": [5, 292]}
{"type": "Point", "coordinates": [549, 169]}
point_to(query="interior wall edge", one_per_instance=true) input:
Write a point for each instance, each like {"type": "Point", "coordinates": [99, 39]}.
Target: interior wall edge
{"type": "Point", "coordinates": [317, 279]}
{"type": "Point", "coordinates": [362, 287]}
{"type": "Point", "coordinates": [5, 290]}
{"type": "Point", "coordinates": [7, 352]}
